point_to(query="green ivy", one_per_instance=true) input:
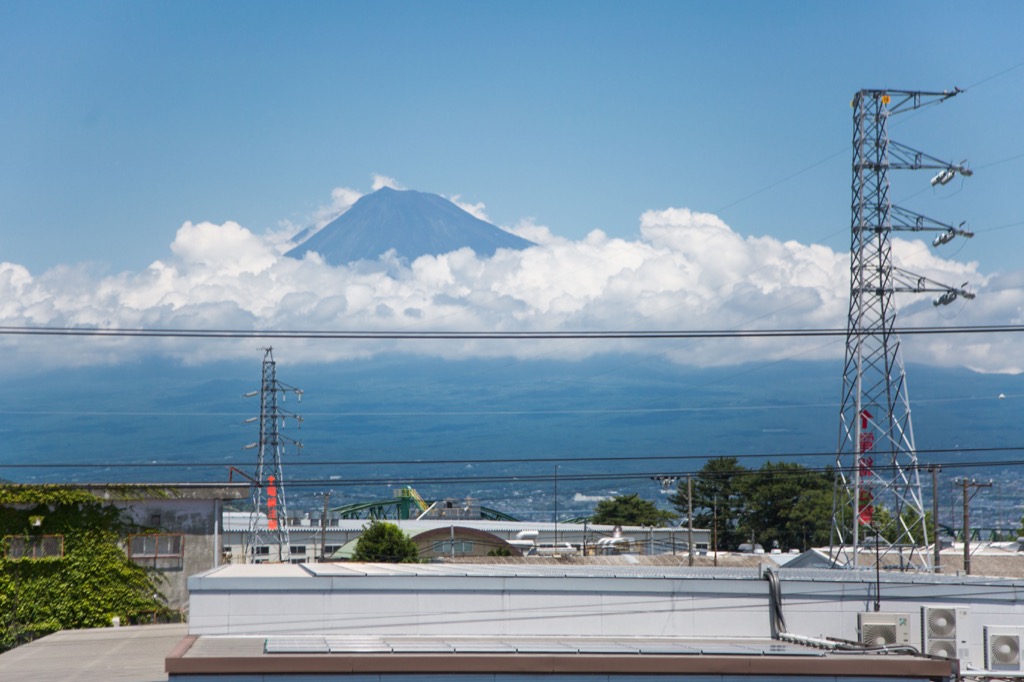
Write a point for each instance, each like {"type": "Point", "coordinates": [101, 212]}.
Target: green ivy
{"type": "Point", "coordinates": [44, 494]}
{"type": "Point", "coordinates": [92, 582]}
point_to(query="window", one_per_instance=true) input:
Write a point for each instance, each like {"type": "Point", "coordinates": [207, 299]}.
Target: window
{"type": "Point", "coordinates": [460, 547]}
{"type": "Point", "coordinates": [298, 549]}
{"type": "Point", "coordinates": [331, 549]}
{"type": "Point", "coordinates": [34, 546]}
{"type": "Point", "coordinates": [159, 550]}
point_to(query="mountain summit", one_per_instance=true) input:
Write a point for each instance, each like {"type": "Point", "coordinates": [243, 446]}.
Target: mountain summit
{"type": "Point", "coordinates": [412, 223]}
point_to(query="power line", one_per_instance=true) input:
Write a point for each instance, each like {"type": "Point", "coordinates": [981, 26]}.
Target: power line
{"type": "Point", "coordinates": [486, 335]}
{"type": "Point", "coordinates": [986, 79]}
{"type": "Point", "coordinates": [497, 460]}
{"type": "Point", "coordinates": [616, 476]}
{"type": "Point", "coordinates": [783, 180]}
{"type": "Point", "coordinates": [487, 413]}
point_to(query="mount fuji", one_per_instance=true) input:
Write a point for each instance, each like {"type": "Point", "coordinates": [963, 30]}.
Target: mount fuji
{"type": "Point", "coordinates": [411, 223]}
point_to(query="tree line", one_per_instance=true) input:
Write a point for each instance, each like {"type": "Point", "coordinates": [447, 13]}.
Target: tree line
{"type": "Point", "coordinates": [780, 504]}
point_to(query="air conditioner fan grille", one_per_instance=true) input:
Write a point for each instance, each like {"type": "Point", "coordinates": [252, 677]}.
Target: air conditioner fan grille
{"type": "Point", "coordinates": [1005, 649]}
{"type": "Point", "coordinates": [945, 648]}
{"type": "Point", "coordinates": [941, 623]}
{"type": "Point", "coordinates": [878, 634]}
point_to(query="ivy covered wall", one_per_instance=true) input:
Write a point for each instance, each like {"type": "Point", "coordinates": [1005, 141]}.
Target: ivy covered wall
{"type": "Point", "coordinates": [79, 577]}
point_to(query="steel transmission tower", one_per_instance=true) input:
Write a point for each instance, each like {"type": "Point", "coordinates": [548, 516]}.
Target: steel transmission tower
{"type": "Point", "coordinates": [270, 543]}
{"type": "Point", "coordinates": [876, 460]}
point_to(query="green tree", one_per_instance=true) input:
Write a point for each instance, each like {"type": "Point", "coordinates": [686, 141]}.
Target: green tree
{"type": "Point", "coordinates": [890, 530]}
{"type": "Point", "coordinates": [385, 542]}
{"type": "Point", "coordinates": [789, 506]}
{"type": "Point", "coordinates": [630, 510]}
{"type": "Point", "coordinates": [92, 581]}
{"type": "Point", "coordinates": [781, 503]}
{"type": "Point", "coordinates": [719, 499]}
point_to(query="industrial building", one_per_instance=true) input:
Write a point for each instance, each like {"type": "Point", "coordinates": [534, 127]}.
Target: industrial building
{"type": "Point", "coordinates": [349, 621]}
{"type": "Point", "coordinates": [560, 622]}
{"type": "Point", "coordinates": [314, 539]}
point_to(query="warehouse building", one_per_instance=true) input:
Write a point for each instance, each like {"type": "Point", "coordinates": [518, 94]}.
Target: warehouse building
{"type": "Point", "coordinates": [396, 622]}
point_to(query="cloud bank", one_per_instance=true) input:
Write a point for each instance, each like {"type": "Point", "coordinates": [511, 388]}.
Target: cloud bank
{"type": "Point", "coordinates": [686, 270]}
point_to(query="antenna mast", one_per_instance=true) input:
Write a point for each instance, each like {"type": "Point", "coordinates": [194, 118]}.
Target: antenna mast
{"type": "Point", "coordinates": [876, 459]}
{"type": "Point", "coordinates": [268, 498]}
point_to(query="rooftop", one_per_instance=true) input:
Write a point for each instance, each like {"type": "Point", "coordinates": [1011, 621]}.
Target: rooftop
{"type": "Point", "coordinates": [602, 657]}
{"type": "Point", "coordinates": [126, 654]}
{"type": "Point", "coordinates": [547, 569]}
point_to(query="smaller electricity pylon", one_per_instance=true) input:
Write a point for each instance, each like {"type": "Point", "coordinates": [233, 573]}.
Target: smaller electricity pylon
{"type": "Point", "coordinates": [270, 543]}
{"type": "Point", "coordinates": [876, 460]}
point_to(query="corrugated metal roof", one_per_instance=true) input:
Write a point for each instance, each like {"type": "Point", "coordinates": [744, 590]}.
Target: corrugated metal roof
{"type": "Point", "coordinates": [522, 645]}
{"type": "Point", "coordinates": [520, 570]}
{"type": "Point", "coordinates": [261, 571]}
{"type": "Point", "coordinates": [236, 521]}
{"type": "Point", "coordinates": [620, 571]}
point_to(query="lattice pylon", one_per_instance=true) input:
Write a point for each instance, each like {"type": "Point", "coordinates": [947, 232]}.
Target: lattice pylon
{"type": "Point", "coordinates": [269, 505]}
{"type": "Point", "coordinates": [876, 458]}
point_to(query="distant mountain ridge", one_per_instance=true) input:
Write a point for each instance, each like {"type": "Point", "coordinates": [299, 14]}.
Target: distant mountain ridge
{"type": "Point", "coordinates": [411, 223]}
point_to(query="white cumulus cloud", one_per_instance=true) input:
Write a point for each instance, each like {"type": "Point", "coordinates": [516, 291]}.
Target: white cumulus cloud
{"type": "Point", "coordinates": [229, 248]}
{"type": "Point", "coordinates": [687, 270]}
{"type": "Point", "coordinates": [477, 210]}
{"type": "Point", "coordinates": [342, 199]}
{"type": "Point", "coordinates": [381, 181]}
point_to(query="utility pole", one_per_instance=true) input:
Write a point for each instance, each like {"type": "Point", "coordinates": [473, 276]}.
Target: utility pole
{"type": "Point", "coordinates": [323, 527]}
{"type": "Point", "coordinates": [878, 572]}
{"type": "Point", "coordinates": [967, 520]}
{"type": "Point", "coordinates": [935, 469]}
{"type": "Point", "coordinates": [689, 516]}
{"type": "Point", "coordinates": [876, 458]}
{"type": "Point", "coordinates": [714, 529]}
{"type": "Point", "coordinates": [556, 505]}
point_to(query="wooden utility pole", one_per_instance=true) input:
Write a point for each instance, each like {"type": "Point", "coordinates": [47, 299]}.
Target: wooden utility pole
{"type": "Point", "coordinates": [714, 529]}
{"type": "Point", "coordinates": [935, 469]}
{"type": "Point", "coordinates": [323, 527]}
{"type": "Point", "coordinates": [967, 521]}
{"type": "Point", "coordinates": [556, 505]}
{"type": "Point", "coordinates": [689, 516]}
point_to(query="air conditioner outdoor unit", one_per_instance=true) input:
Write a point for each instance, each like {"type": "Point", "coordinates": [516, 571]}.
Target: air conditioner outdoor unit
{"type": "Point", "coordinates": [944, 632]}
{"type": "Point", "coordinates": [1002, 647]}
{"type": "Point", "coordinates": [883, 629]}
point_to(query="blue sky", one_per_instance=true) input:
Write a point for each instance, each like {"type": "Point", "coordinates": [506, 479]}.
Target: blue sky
{"type": "Point", "coordinates": [682, 165]}
{"type": "Point", "coordinates": [122, 120]}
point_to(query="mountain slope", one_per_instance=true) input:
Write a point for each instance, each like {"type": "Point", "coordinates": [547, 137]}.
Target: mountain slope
{"type": "Point", "coordinates": [412, 223]}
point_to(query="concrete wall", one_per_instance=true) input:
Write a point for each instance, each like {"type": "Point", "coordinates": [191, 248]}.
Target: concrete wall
{"type": "Point", "coordinates": [198, 521]}
{"type": "Point", "coordinates": [460, 600]}
{"type": "Point", "coordinates": [192, 509]}
{"type": "Point", "coordinates": [470, 606]}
